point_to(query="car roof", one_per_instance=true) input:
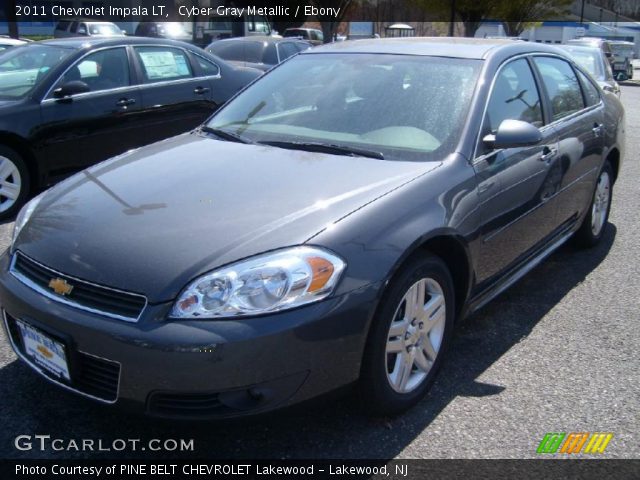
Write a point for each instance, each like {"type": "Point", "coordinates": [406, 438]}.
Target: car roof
{"type": "Point", "coordinates": [455, 47]}
{"type": "Point", "coordinates": [255, 38]}
{"type": "Point", "coordinates": [91, 42]}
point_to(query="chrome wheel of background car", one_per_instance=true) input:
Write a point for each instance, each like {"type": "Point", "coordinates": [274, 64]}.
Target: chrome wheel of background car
{"type": "Point", "coordinates": [415, 335]}
{"type": "Point", "coordinates": [600, 205]}
{"type": "Point", "coordinates": [10, 183]}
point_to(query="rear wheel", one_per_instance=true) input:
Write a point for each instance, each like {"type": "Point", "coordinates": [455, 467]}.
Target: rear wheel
{"type": "Point", "coordinates": [14, 182]}
{"type": "Point", "coordinates": [594, 224]}
{"type": "Point", "coordinates": [408, 338]}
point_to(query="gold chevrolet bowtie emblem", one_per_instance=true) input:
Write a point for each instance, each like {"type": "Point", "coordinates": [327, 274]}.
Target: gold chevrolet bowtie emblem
{"type": "Point", "coordinates": [60, 286]}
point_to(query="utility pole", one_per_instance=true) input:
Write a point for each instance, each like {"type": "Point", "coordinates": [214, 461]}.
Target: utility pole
{"type": "Point", "coordinates": [11, 18]}
{"type": "Point", "coordinates": [453, 18]}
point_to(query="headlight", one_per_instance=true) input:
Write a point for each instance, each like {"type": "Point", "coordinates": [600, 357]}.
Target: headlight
{"type": "Point", "coordinates": [23, 217]}
{"type": "Point", "coordinates": [267, 283]}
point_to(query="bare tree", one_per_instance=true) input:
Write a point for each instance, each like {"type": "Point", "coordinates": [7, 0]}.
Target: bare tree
{"type": "Point", "coordinates": [518, 15]}
{"type": "Point", "coordinates": [329, 23]}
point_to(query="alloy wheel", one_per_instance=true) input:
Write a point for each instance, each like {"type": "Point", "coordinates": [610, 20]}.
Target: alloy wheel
{"type": "Point", "coordinates": [415, 335]}
{"type": "Point", "coordinates": [10, 184]}
{"type": "Point", "coordinates": [600, 205]}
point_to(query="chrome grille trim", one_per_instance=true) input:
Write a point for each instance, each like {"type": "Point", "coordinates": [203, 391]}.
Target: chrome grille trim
{"type": "Point", "coordinates": [60, 299]}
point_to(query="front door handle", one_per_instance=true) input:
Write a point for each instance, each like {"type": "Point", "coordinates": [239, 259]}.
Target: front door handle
{"type": "Point", "coordinates": [125, 102]}
{"type": "Point", "coordinates": [201, 90]}
{"type": "Point", "coordinates": [597, 129]}
{"type": "Point", "coordinates": [548, 153]}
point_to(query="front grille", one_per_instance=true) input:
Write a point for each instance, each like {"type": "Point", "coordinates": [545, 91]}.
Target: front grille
{"type": "Point", "coordinates": [91, 375]}
{"type": "Point", "coordinates": [85, 295]}
{"type": "Point", "coordinates": [186, 405]}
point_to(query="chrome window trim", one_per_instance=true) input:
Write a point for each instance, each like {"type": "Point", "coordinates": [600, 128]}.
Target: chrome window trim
{"type": "Point", "coordinates": [477, 158]}
{"type": "Point", "coordinates": [34, 286]}
{"type": "Point", "coordinates": [44, 374]}
{"type": "Point", "coordinates": [48, 98]}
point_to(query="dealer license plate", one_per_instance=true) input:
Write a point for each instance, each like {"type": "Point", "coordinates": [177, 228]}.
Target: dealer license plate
{"type": "Point", "coordinates": [44, 351]}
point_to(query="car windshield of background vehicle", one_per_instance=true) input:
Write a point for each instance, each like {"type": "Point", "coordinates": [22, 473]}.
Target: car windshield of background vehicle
{"type": "Point", "coordinates": [405, 107]}
{"type": "Point", "coordinates": [23, 68]}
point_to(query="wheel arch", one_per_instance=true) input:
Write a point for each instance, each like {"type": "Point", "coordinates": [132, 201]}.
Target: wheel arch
{"type": "Point", "coordinates": [613, 157]}
{"type": "Point", "coordinates": [453, 250]}
{"type": "Point", "coordinates": [21, 146]}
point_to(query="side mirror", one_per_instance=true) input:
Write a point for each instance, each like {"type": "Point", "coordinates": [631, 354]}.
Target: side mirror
{"type": "Point", "coordinates": [513, 134]}
{"type": "Point", "coordinates": [124, 32]}
{"type": "Point", "coordinates": [71, 88]}
{"type": "Point", "coordinates": [82, 31]}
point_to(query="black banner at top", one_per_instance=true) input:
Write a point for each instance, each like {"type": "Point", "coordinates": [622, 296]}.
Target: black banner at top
{"type": "Point", "coordinates": [321, 10]}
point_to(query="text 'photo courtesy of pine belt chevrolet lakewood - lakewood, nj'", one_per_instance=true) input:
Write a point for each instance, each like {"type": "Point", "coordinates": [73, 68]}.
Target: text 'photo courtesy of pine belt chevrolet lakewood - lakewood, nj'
{"type": "Point", "coordinates": [327, 226]}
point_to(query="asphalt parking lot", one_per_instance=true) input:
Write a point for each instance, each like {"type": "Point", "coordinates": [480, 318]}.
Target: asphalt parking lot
{"type": "Point", "coordinates": [556, 353]}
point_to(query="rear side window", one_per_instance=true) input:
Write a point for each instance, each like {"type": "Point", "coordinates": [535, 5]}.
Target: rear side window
{"type": "Point", "coordinates": [62, 25]}
{"type": "Point", "coordinates": [161, 64]}
{"type": "Point", "coordinates": [562, 86]}
{"type": "Point", "coordinates": [591, 94]}
{"type": "Point", "coordinates": [208, 68]}
{"type": "Point", "coordinates": [514, 97]}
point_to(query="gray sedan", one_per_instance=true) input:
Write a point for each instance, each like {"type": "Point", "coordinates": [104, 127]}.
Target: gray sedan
{"type": "Point", "coordinates": [327, 226]}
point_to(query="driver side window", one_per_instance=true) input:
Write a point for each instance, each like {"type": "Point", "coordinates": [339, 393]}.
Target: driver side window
{"type": "Point", "coordinates": [102, 70]}
{"type": "Point", "coordinates": [514, 96]}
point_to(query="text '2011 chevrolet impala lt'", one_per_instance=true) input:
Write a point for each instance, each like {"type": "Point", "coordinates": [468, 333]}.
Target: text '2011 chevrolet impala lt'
{"type": "Point", "coordinates": [326, 227]}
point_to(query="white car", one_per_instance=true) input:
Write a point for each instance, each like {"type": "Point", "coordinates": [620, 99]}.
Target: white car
{"type": "Point", "coordinates": [8, 42]}
{"type": "Point", "coordinates": [86, 28]}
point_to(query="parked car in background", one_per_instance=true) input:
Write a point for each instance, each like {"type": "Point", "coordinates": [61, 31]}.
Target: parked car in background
{"type": "Point", "coordinates": [257, 52]}
{"type": "Point", "coordinates": [312, 35]}
{"type": "Point", "coordinates": [328, 226]}
{"type": "Point", "coordinates": [8, 42]}
{"type": "Point", "coordinates": [593, 60]}
{"type": "Point", "coordinates": [69, 103]}
{"type": "Point", "coordinates": [172, 30]}
{"type": "Point", "coordinates": [601, 43]}
{"type": "Point", "coordinates": [86, 28]}
{"type": "Point", "coordinates": [623, 55]}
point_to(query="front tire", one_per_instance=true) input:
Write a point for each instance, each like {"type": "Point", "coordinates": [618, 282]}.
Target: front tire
{"type": "Point", "coordinates": [14, 182]}
{"type": "Point", "coordinates": [592, 229]}
{"type": "Point", "coordinates": [410, 333]}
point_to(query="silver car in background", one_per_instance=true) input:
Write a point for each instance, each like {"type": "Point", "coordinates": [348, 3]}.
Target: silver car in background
{"type": "Point", "coordinates": [594, 61]}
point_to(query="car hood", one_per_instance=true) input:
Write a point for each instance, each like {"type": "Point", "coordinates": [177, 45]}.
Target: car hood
{"type": "Point", "coordinates": [151, 220]}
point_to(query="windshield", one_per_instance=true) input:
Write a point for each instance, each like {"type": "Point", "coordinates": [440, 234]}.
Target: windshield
{"type": "Point", "coordinates": [23, 68]}
{"type": "Point", "coordinates": [588, 58]}
{"type": "Point", "coordinates": [104, 29]}
{"type": "Point", "coordinates": [404, 107]}
{"type": "Point", "coordinates": [622, 50]}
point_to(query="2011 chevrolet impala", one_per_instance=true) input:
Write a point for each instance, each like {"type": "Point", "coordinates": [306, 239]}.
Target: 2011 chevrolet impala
{"type": "Point", "coordinates": [327, 226]}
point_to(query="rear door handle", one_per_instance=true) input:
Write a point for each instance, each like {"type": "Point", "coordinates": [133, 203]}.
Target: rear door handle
{"type": "Point", "coordinates": [548, 153]}
{"type": "Point", "coordinates": [201, 90]}
{"type": "Point", "coordinates": [597, 129]}
{"type": "Point", "coordinates": [125, 102]}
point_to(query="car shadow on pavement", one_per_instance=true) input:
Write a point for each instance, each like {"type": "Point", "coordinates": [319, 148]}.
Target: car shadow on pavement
{"type": "Point", "coordinates": [326, 428]}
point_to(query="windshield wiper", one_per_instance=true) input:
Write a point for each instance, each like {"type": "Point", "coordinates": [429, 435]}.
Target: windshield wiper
{"type": "Point", "coordinates": [225, 135]}
{"type": "Point", "coordinates": [325, 148]}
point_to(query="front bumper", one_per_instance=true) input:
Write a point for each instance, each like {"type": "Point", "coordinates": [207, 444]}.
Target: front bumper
{"type": "Point", "coordinates": [199, 368]}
